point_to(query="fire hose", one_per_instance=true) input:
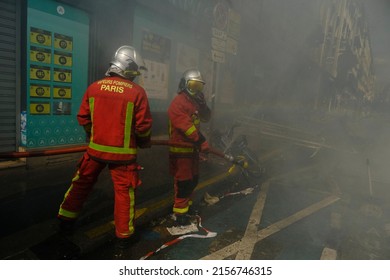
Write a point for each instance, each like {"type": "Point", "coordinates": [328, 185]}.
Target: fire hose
{"type": "Point", "coordinates": [189, 145]}
{"type": "Point", "coordinates": [39, 153]}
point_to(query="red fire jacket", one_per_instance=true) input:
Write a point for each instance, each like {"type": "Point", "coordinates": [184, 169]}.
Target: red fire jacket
{"type": "Point", "coordinates": [185, 116]}
{"type": "Point", "coordinates": [119, 112]}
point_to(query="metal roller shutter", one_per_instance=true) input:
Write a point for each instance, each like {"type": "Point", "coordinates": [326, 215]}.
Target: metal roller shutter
{"type": "Point", "coordinates": [9, 75]}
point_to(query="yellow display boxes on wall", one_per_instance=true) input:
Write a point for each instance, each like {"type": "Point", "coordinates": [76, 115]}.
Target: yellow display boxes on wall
{"type": "Point", "coordinates": [39, 108]}
{"type": "Point", "coordinates": [38, 90]}
{"type": "Point", "coordinates": [57, 72]}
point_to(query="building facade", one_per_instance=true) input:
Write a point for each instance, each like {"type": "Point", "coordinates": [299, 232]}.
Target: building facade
{"type": "Point", "coordinates": [345, 55]}
{"type": "Point", "coordinates": [51, 50]}
{"type": "Point", "coordinates": [301, 53]}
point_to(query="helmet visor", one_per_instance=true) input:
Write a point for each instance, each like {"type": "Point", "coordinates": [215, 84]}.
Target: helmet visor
{"type": "Point", "coordinates": [195, 86]}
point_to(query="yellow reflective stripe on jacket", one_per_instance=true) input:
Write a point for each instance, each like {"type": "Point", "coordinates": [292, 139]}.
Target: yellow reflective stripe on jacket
{"type": "Point", "coordinates": [181, 150]}
{"type": "Point", "coordinates": [127, 134]}
{"type": "Point", "coordinates": [129, 121]}
{"type": "Point", "coordinates": [91, 109]}
{"type": "Point", "coordinates": [190, 130]}
{"type": "Point", "coordinates": [115, 150]}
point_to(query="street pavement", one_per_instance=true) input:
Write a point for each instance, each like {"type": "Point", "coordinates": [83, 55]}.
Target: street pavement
{"type": "Point", "coordinates": [327, 202]}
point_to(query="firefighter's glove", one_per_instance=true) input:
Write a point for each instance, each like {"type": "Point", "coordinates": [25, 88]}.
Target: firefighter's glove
{"type": "Point", "coordinates": [201, 140]}
{"type": "Point", "coordinates": [144, 145]}
{"type": "Point", "coordinates": [199, 98]}
{"type": "Point", "coordinates": [143, 142]}
{"type": "Point", "coordinates": [204, 147]}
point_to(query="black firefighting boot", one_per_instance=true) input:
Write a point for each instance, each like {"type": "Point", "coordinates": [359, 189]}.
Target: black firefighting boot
{"type": "Point", "coordinates": [122, 246]}
{"type": "Point", "coordinates": [66, 227]}
{"type": "Point", "coordinates": [183, 219]}
{"type": "Point", "coordinates": [194, 210]}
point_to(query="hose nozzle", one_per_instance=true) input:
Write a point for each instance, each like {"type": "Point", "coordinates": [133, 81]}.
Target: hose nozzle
{"type": "Point", "coordinates": [239, 160]}
{"type": "Point", "coordinates": [229, 157]}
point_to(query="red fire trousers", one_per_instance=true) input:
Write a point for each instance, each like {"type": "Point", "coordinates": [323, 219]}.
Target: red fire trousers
{"type": "Point", "coordinates": [185, 172]}
{"type": "Point", "coordinates": [125, 179]}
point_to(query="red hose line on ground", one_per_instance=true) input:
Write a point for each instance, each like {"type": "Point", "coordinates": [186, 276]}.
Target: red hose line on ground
{"type": "Point", "coordinates": [43, 152]}
{"type": "Point", "coordinates": [13, 155]}
{"type": "Point", "coordinates": [209, 234]}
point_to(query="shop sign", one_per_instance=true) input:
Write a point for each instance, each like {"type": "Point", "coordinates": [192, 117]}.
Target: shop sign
{"type": "Point", "coordinates": [220, 34]}
{"type": "Point", "coordinates": [218, 44]}
{"type": "Point", "coordinates": [218, 56]}
{"type": "Point", "coordinates": [231, 46]}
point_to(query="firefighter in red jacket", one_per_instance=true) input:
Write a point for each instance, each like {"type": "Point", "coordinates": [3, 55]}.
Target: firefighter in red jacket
{"type": "Point", "coordinates": [116, 116]}
{"type": "Point", "coordinates": [185, 113]}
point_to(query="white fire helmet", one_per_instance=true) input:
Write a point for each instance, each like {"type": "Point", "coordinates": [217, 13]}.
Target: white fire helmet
{"type": "Point", "coordinates": [192, 82]}
{"type": "Point", "coordinates": [126, 63]}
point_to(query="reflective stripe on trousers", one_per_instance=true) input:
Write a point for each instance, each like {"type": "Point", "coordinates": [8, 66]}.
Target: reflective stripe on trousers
{"type": "Point", "coordinates": [125, 179]}
{"type": "Point", "coordinates": [185, 171]}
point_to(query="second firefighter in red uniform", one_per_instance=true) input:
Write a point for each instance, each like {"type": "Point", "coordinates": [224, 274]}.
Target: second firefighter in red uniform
{"type": "Point", "coordinates": [186, 111]}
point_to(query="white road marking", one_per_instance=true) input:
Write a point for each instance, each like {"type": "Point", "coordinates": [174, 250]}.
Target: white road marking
{"type": "Point", "coordinates": [249, 240]}
{"type": "Point", "coordinates": [276, 227]}
{"type": "Point", "coordinates": [328, 254]}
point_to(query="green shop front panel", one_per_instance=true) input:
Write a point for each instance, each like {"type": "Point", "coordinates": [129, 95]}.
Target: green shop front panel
{"type": "Point", "coordinates": [57, 74]}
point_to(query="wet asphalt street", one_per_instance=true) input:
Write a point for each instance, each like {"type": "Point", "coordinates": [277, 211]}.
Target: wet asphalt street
{"type": "Point", "coordinates": [316, 203]}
